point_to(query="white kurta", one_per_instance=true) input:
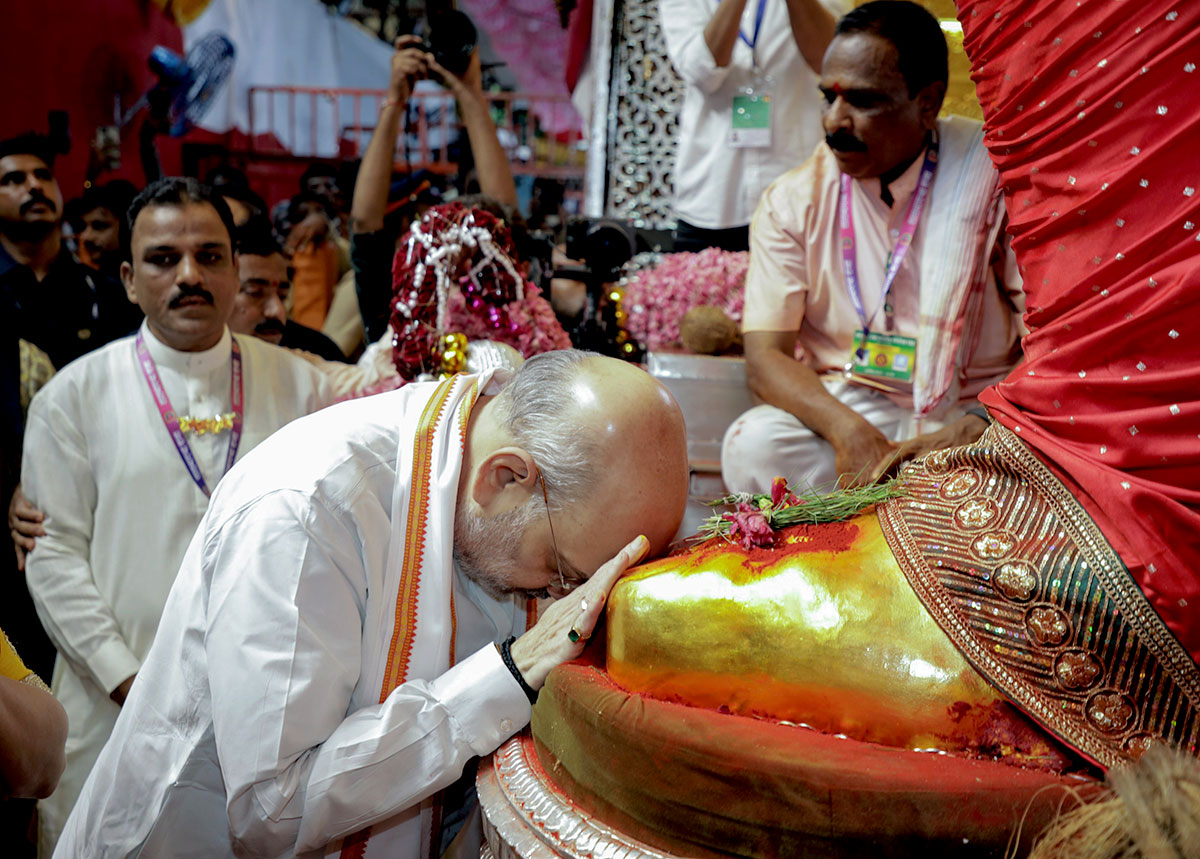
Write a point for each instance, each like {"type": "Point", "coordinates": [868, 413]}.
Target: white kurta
{"type": "Point", "coordinates": [121, 507]}
{"type": "Point", "coordinates": [717, 186]}
{"type": "Point", "coordinates": [255, 726]}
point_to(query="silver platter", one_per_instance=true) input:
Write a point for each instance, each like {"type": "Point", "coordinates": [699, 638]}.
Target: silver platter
{"type": "Point", "coordinates": [525, 816]}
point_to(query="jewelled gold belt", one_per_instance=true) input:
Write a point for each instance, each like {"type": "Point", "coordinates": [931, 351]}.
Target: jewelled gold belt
{"type": "Point", "coordinates": [1020, 577]}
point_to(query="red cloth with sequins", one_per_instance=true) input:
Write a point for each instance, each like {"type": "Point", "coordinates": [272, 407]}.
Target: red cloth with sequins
{"type": "Point", "coordinates": [1092, 113]}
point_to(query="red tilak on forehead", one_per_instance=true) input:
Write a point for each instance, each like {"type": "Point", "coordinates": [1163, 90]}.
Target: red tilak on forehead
{"type": "Point", "coordinates": [837, 89]}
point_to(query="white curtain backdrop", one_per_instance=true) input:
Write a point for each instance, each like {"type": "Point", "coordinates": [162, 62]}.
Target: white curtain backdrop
{"type": "Point", "coordinates": [297, 43]}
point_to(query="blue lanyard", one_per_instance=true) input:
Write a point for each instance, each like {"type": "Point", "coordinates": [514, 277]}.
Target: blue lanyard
{"type": "Point", "coordinates": [758, 16]}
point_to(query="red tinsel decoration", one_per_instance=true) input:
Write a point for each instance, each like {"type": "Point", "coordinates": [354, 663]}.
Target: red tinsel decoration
{"type": "Point", "coordinates": [458, 273]}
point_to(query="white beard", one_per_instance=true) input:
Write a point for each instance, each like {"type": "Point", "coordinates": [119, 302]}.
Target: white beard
{"type": "Point", "coordinates": [486, 550]}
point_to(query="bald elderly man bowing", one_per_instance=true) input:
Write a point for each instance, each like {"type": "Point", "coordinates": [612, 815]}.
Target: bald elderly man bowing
{"type": "Point", "coordinates": [355, 618]}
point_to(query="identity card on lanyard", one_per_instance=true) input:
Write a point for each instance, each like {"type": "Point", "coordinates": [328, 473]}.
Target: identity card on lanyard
{"type": "Point", "coordinates": [883, 355]}
{"type": "Point", "coordinates": [751, 124]}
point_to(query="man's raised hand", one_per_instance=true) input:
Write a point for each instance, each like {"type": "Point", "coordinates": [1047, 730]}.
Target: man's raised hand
{"type": "Point", "coordinates": [549, 643]}
{"type": "Point", "coordinates": [409, 62]}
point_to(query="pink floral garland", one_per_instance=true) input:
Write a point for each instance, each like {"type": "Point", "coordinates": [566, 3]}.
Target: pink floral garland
{"type": "Point", "coordinates": [656, 299]}
{"type": "Point", "coordinates": [531, 326]}
{"type": "Point", "coordinates": [457, 274]}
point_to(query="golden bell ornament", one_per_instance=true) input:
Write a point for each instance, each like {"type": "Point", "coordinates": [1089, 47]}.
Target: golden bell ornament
{"type": "Point", "coordinates": [451, 352]}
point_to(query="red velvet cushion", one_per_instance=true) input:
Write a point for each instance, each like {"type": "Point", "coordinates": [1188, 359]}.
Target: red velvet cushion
{"type": "Point", "coordinates": [698, 782]}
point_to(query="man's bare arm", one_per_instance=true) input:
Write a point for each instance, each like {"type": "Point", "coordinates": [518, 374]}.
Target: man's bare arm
{"type": "Point", "coordinates": [812, 28]}
{"type": "Point", "coordinates": [369, 203]}
{"type": "Point", "coordinates": [778, 379]}
{"type": "Point", "coordinates": [721, 32]}
{"type": "Point", "coordinates": [491, 161]}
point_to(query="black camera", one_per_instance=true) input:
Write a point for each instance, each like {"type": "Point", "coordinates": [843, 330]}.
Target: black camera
{"type": "Point", "coordinates": [451, 38]}
{"type": "Point", "coordinates": [602, 244]}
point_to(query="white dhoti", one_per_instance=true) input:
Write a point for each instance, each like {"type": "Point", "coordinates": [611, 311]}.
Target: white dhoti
{"type": "Point", "coordinates": [766, 442]}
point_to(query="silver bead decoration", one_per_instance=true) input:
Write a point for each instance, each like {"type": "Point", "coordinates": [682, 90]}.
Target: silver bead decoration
{"type": "Point", "coordinates": [485, 355]}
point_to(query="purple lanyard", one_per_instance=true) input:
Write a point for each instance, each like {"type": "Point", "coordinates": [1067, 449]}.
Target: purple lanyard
{"type": "Point", "coordinates": [171, 420]}
{"type": "Point", "coordinates": [913, 217]}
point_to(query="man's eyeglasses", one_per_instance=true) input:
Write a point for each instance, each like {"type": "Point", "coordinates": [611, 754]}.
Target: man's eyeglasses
{"type": "Point", "coordinates": [576, 581]}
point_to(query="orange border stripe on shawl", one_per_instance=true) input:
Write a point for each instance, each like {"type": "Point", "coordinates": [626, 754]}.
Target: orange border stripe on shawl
{"type": "Point", "coordinates": [414, 544]}
{"type": "Point", "coordinates": [355, 846]}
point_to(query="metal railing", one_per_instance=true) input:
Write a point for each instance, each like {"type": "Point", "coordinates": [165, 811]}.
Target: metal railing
{"type": "Point", "coordinates": [540, 133]}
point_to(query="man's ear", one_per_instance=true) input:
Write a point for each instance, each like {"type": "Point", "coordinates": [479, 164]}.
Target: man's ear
{"type": "Point", "coordinates": [930, 101]}
{"type": "Point", "coordinates": [504, 478]}
{"type": "Point", "coordinates": [127, 281]}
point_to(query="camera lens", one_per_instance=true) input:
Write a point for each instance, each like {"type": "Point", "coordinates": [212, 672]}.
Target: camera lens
{"type": "Point", "coordinates": [451, 40]}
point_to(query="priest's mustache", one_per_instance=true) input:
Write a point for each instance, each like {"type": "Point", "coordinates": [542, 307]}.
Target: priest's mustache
{"type": "Point", "coordinates": [36, 197]}
{"type": "Point", "coordinates": [844, 141]}
{"type": "Point", "coordinates": [186, 292]}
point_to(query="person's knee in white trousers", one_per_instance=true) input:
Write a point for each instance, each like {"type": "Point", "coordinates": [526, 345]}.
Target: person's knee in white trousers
{"type": "Point", "coordinates": [766, 442]}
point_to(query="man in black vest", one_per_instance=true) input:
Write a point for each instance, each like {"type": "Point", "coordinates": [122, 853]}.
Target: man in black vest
{"type": "Point", "coordinates": [60, 305]}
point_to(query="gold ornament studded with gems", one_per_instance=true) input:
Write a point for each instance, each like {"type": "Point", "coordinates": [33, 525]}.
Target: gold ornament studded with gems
{"type": "Point", "coordinates": [451, 352]}
{"type": "Point", "coordinates": [203, 426]}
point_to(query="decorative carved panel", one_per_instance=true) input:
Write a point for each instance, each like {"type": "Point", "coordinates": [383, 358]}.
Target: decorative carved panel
{"type": "Point", "coordinates": [645, 95]}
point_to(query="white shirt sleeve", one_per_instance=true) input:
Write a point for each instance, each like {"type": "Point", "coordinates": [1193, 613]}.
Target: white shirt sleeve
{"type": "Point", "coordinates": [301, 766]}
{"type": "Point", "coordinates": [56, 477]}
{"type": "Point", "coordinates": [683, 23]}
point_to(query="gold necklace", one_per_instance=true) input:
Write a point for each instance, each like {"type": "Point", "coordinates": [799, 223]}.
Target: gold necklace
{"type": "Point", "coordinates": [201, 426]}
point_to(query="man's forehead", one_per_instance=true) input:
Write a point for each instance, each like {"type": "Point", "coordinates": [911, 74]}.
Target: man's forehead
{"type": "Point", "coordinates": [272, 269]}
{"type": "Point", "coordinates": [174, 224]}
{"type": "Point", "coordinates": [861, 62]}
{"type": "Point", "coordinates": [100, 213]}
{"type": "Point", "coordinates": [22, 162]}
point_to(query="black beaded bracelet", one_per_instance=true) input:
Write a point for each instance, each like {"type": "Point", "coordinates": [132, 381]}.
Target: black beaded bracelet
{"type": "Point", "coordinates": [506, 655]}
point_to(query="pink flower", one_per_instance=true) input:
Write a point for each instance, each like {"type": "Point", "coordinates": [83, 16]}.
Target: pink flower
{"type": "Point", "coordinates": [656, 299]}
{"type": "Point", "coordinates": [750, 527]}
{"type": "Point", "coordinates": [528, 325]}
{"type": "Point", "coordinates": [780, 493]}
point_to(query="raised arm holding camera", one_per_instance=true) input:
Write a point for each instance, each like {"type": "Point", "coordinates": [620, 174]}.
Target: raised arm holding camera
{"type": "Point", "coordinates": [372, 245]}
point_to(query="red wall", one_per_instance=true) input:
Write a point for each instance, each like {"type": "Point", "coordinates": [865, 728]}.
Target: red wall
{"type": "Point", "coordinates": [74, 55]}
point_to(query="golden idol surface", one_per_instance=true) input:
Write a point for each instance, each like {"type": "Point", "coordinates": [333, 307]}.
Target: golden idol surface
{"type": "Point", "coordinates": [822, 630]}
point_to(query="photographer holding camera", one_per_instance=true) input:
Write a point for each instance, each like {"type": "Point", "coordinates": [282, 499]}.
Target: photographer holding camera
{"type": "Point", "coordinates": [372, 245]}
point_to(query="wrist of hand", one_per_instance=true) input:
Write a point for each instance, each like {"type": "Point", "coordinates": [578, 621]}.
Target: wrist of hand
{"type": "Point", "coordinates": [852, 430]}
{"type": "Point", "coordinates": [505, 648]}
